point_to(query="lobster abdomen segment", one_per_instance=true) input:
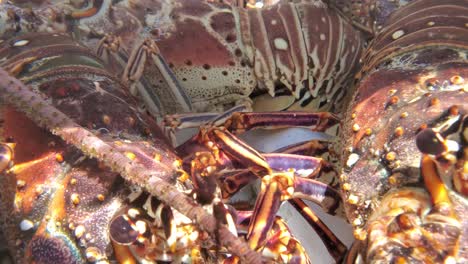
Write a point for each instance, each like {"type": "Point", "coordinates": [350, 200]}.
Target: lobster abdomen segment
{"type": "Point", "coordinates": [220, 52]}
{"type": "Point", "coordinates": [302, 46]}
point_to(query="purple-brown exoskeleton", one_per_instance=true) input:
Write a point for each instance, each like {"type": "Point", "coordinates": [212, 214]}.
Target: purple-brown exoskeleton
{"type": "Point", "coordinates": [404, 137]}
{"type": "Point", "coordinates": [202, 56]}
{"type": "Point", "coordinates": [64, 206]}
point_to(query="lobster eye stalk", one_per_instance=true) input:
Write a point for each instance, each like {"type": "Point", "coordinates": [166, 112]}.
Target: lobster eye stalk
{"type": "Point", "coordinates": [430, 142]}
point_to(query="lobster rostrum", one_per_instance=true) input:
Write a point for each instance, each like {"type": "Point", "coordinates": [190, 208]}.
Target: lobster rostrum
{"type": "Point", "coordinates": [63, 210]}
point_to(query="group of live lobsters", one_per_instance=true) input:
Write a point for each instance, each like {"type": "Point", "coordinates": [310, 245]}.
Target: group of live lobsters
{"type": "Point", "coordinates": [94, 92]}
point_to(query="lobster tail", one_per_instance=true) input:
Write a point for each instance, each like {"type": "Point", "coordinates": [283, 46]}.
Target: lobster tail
{"type": "Point", "coordinates": [293, 44]}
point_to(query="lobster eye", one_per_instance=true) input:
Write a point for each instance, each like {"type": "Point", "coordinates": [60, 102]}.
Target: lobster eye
{"type": "Point", "coordinates": [6, 156]}
{"type": "Point", "coordinates": [121, 230]}
{"type": "Point", "coordinates": [430, 142]}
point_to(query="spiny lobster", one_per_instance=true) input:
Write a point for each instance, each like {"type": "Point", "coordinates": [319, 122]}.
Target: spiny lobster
{"type": "Point", "coordinates": [405, 136]}
{"type": "Point", "coordinates": [32, 57]}
{"type": "Point", "coordinates": [67, 205]}
{"type": "Point", "coordinates": [395, 218]}
{"type": "Point", "coordinates": [226, 51]}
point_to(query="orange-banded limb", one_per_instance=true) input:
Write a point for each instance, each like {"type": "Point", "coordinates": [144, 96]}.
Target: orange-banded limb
{"type": "Point", "coordinates": [303, 166]}
{"type": "Point", "coordinates": [282, 186]}
{"type": "Point", "coordinates": [176, 122]}
{"type": "Point", "coordinates": [244, 121]}
{"type": "Point", "coordinates": [90, 11]}
{"type": "Point", "coordinates": [311, 159]}
{"type": "Point", "coordinates": [309, 166]}
{"type": "Point", "coordinates": [204, 171]}
{"type": "Point", "coordinates": [309, 148]}
{"type": "Point", "coordinates": [420, 224]}
{"type": "Point", "coordinates": [280, 245]}
{"type": "Point", "coordinates": [334, 246]}
{"type": "Point", "coordinates": [222, 140]}
{"type": "Point", "coordinates": [267, 164]}
{"type": "Point", "coordinates": [224, 143]}
{"type": "Point", "coordinates": [281, 180]}
{"type": "Point", "coordinates": [408, 228]}
{"type": "Point", "coordinates": [277, 187]}
{"type": "Point", "coordinates": [232, 180]}
{"type": "Point", "coordinates": [237, 120]}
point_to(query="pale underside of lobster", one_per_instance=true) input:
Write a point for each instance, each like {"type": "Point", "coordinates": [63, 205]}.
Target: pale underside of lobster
{"type": "Point", "coordinates": [402, 171]}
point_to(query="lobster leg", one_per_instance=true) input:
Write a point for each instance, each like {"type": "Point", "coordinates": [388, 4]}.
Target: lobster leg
{"type": "Point", "coordinates": [335, 247]}
{"type": "Point", "coordinates": [240, 122]}
{"type": "Point", "coordinates": [281, 243]}
{"type": "Point", "coordinates": [176, 122]}
{"type": "Point", "coordinates": [281, 162]}
{"type": "Point", "coordinates": [283, 186]}
{"type": "Point", "coordinates": [425, 223]}
{"type": "Point", "coordinates": [50, 117]}
{"type": "Point", "coordinates": [277, 187]}
{"type": "Point", "coordinates": [308, 148]}
{"type": "Point", "coordinates": [109, 49]}
{"type": "Point", "coordinates": [88, 12]}
{"type": "Point", "coordinates": [148, 52]}
{"type": "Point", "coordinates": [304, 166]}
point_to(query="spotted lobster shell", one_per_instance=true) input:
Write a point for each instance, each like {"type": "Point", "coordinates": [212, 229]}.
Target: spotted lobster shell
{"type": "Point", "coordinates": [413, 77]}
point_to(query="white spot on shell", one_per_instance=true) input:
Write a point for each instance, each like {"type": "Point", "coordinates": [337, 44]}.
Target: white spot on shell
{"type": "Point", "coordinates": [397, 34]}
{"type": "Point", "coordinates": [357, 222]}
{"type": "Point", "coordinates": [133, 213]}
{"type": "Point", "coordinates": [352, 199]}
{"type": "Point", "coordinates": [322, 37]}
{"type": "Point", "coordinates": [280, 44]}
{"type": "Point", "coordinates": [450, 260]}
{"type": "Point", "coordinates": [26, 225]}
{"type": "Point", "coordinates": [323, 19]}
{"type": "Point", "coordinates": [430, 23]}
{"type": "Point", "coordinates": [258, 4]}
{"type": "Point", "coordinates": [274, 22]}
{"type": "Point", "coordinates": [92, 254]}
{"type": "Point", "coordinates": [21, 43]}
{"type": "Point", "coordinates": [452, 145]}
{"type": "Point", "coordinates": [79, 231]}
{"type": "Point", "coordinates": [352, 159]}
{"type": "Point", "coordinates": [141, 226]}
